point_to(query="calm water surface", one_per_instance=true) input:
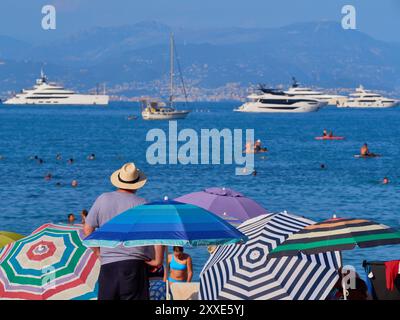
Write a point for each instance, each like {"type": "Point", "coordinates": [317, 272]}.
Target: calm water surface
{"type": "Point", "coordinates": [289, 177]}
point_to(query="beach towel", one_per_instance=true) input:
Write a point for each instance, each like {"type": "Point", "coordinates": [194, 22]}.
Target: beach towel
{"type": "Point", "coordinates": [185, 291]}
{"type": "Point", "coordinates": [392, 272]}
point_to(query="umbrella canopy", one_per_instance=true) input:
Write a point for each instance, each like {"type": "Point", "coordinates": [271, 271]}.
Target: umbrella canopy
{"type": "Point", "coordinates": [51, 263]}
{"type": "Point", "coordinates": [223, 201]}
{"type": "Point", "coordinates": [165, 223]}
{"type": "Point", "coordinates": [244, 272]}
{"type": "Point", "coordinates": [8, 237]}
{"type": "Point", "coordinates": [337, 234]}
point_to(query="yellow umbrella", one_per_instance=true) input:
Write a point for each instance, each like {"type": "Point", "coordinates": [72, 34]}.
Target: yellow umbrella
{"type": "Point", "coordinates": [8, 237]}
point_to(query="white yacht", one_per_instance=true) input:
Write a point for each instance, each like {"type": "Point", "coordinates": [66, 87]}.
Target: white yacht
{"type": "Point", "coordinates": [271, 100]}
{"type": "Point", "coordinates": [45, 93]}
{"type": "Point", "coordinates": [297, 90]}
{"type": "Point", "coordinates": [155, 110]}
{"type": "Point", "coordinates": [363, 98]}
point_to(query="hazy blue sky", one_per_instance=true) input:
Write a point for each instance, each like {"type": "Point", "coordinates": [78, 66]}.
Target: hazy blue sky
{"type": "Point", "coordinates": [22, 18]}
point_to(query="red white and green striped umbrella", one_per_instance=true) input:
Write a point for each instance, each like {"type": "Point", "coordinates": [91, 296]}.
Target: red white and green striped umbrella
{"type": "Point", "coordinates": [337, 235]}
{"type": "Point", "coordinates": [50, 264]}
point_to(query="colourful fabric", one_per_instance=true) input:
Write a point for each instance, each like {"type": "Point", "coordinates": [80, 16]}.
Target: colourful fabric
{"type": "Point", "coordinates": [392, 272]}
{"type": "Point", "coordinates": [8, 237]}
{"type": "Point", "coordinates": [165, 223]}
{"type": "Point", "coordinates": [175, 265]}
{"type": "Point", "coordinates": [175, 280]}
{"type": "Point", "coordinates": [337, 234]}
{"type": "Point", "coordinates": [51, 263]}
{"type": "Point", "coordinates": [158, 290]}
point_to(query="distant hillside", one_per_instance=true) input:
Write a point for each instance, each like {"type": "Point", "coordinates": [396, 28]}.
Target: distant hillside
{"type": "Point", "coordinates": [134, 59]}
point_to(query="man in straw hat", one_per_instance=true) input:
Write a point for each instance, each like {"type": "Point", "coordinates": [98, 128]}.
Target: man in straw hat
{"type": "Point", "coordinates": [123, 272]}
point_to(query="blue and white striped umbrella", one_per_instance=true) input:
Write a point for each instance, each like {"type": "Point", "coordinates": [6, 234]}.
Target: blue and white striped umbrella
{"type": "Point", "coordinates": [245, 272]}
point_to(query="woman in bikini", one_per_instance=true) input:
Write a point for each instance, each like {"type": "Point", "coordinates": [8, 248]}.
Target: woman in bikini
{"type": "Point", "coordinates": [180, 266]}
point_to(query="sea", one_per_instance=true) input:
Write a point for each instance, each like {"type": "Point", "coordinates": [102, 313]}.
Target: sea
{"type": "Point", "coordinates": [289, 177]}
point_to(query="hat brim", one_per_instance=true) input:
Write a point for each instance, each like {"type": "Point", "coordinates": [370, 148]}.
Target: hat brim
{"type": "Point", "coordinates": [128, 186]}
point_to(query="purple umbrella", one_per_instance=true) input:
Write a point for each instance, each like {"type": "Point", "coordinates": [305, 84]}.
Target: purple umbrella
{"type": "Point", "coordinates": [224, 202]}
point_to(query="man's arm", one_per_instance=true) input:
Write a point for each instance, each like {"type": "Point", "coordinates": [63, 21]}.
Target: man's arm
{"type": "Point", "coordinates": [158, 257]}
{"type": "Point", "coordinates": [91, 223]}
{"type": "Point", "coordinates": [88, 230]}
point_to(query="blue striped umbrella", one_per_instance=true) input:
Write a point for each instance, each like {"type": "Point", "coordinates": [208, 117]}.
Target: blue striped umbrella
{"type": "Point", "coordinates": [168, 223]}
{"type": "Point", "coordinates": [245, 272]}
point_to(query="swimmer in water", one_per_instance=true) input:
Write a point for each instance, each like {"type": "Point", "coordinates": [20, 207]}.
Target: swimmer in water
{"type": "Point", "coordinates": [325, 133]}
{"type": "Point", "coordinates": [58, 157]}
{"type": "Point", "coordinates": [254, 173]}
{"type": "Point", "coordinates": [71, 219]}
{"type": "Point", "coordinates": [385, 180]}
{"type": "Point", "coordinates": [322, 166]}
{"type": "Point", "coordinates": [70, 161]}
{"type": "Point", "coordinates": [40, 161]}
{"type": "Point", "coordinates": [74, 183]}
{"type": "Point", "coordinates": [258, 147]}
{"type": "Point", "coordinates": [48, 177]}
{"type": "Point", "coordinates": [84, 214]}
{"type": "Point", "coordinates": [91, 157]}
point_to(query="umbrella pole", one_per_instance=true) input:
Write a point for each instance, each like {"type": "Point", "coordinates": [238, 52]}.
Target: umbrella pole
{"type": "Point", "coordinates": [343, 284]}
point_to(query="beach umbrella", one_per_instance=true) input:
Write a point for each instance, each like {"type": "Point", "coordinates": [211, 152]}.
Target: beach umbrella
{"type": "Point", "coordinates": [224, 202]}
{"type": "Point", "coordinates": [51, 263]}
{"type": "Point", "coordinates": [8, 237]}
{"type": "Point", "coordinates": [244, 272]}
{"type": "Point", "coordinates": [168, 223]}
{"type": "Point", "coordinates": [337, 234]}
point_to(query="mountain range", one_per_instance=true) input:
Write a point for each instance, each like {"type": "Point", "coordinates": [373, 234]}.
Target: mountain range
{"type": "Point", "coordinates": [134, 60]}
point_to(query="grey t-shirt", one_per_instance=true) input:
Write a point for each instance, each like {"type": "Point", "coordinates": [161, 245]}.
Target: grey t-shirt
{"type": "Point", "coordinates": [106, 207]}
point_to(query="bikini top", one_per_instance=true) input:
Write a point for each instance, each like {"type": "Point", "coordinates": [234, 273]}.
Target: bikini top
{"type": "Point", "coordinates": [174, 265]}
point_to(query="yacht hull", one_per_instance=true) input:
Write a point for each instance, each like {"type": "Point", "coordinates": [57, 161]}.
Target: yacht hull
{"type": "Point", "coordinates": [76, 99]}
{"type": "Point", "coordinates": [377, 105]}
{"type": "Point", "coordinates": [176, 115]}
{"type": "Point", "coordinates": [271, 108]}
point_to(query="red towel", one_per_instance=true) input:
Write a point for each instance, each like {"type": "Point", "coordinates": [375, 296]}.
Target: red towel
{"type": "Point", "coordinates": [392, 271]}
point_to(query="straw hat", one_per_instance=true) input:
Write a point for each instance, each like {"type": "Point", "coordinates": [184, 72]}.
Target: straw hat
{"type": "Point", "coordinates": [128, 177]}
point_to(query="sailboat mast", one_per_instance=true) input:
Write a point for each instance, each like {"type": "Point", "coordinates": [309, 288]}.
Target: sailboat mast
{"type": "Point", "coordinates": [171, 83]}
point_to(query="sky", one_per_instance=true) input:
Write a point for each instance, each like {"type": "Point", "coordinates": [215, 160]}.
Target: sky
{"type": "Point", "coordinates": [22, 18]}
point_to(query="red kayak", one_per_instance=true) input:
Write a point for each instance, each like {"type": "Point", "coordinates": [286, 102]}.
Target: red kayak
{"type": "Point", "coordinates": [329, 138]}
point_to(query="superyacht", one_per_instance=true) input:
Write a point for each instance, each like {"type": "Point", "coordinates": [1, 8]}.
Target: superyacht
{"type": "Point", "coordinates": [275, 101]}
{"type": "Point", "coordinates": [363, 98]}
{"type": "Point", "coordinates": [46, 93]}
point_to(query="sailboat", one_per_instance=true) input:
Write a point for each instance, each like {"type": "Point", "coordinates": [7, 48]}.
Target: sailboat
{"type": "Point", "coordinates": [156, 110]}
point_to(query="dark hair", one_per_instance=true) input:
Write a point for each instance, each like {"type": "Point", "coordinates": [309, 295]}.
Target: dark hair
{"type": "Point", "coordinates": [84, 212]}
{"type": "Point", "coordinates": [178, 249]}
{"type": "Point", "coordinates": [71, 215]}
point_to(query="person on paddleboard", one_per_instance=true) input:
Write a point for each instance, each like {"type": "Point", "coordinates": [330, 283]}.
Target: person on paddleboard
{"type": "Point", "coordinates": [364, 151]}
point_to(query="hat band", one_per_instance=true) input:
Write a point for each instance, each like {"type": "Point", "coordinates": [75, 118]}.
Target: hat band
{"type": "Point", "coordinates": [131, 182]}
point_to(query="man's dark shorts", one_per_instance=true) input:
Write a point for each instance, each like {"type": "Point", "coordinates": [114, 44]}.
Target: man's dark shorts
{"type": "Point", "coordinates": [124, 280]}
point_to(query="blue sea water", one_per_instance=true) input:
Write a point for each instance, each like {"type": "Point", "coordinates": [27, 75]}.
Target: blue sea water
{"type": "Point", "coordinates": [289, 176]}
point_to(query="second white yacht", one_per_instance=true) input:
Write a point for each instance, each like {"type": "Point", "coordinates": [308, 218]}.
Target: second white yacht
{"type": "Point", "coordinates": [275, 101]}
{"type": "Point", "coordinates": [305, 92]}
{"type": "Point", "coordinates": [367, 99]}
